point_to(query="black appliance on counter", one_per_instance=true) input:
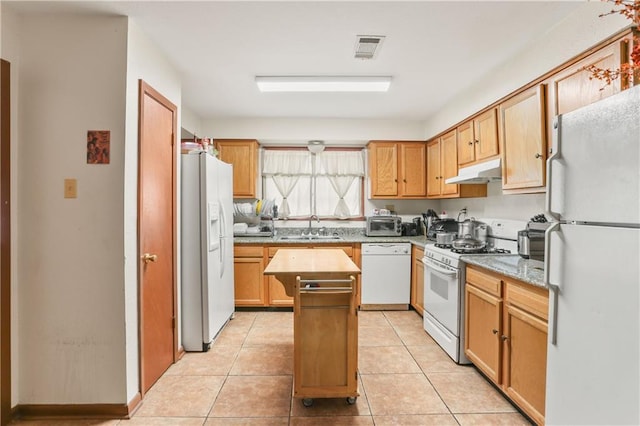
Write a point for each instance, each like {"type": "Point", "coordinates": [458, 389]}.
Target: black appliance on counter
{"type": "Point", "coordinates": [413, 228]}
{"type": "Point", "coordinates": [442, 225]}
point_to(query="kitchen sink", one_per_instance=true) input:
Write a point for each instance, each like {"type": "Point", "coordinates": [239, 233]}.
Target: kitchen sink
{"type": "Point", "coordinates": [310, 237]}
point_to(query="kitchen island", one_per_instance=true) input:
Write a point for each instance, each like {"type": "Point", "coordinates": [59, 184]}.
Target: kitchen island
{"type": "Point", "coordinates": [325, 329]}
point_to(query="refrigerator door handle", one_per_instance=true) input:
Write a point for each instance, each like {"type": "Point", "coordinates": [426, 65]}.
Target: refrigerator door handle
{"type": "Point", "coordinates": [555, 155]}
{"type": "Point", "coordinates": [223, 225]}
{"type": "Point", "coordinates": [554, 288]}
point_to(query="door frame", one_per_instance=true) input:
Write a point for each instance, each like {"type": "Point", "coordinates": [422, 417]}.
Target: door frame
{"type": "Point", "coordinates": [5, 245]}
{"type": "Point", "coordinates": [146, 89]}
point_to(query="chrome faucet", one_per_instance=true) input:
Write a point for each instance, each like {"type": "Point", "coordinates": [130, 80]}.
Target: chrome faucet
{"type": "Point", "coordinates": [313, 216]}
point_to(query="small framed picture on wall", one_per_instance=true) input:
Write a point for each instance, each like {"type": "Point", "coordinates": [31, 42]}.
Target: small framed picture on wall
{"type": "Point", "coordinates": [98, 149]}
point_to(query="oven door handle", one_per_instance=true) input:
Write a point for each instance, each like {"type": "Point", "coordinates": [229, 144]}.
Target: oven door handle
{"type": "Point", "coordinates": [438, 269]}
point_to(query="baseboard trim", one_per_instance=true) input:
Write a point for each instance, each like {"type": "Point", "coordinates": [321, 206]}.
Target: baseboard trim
{"type": "Point", "coordinates": [384, 307]}
{"type": "Point", "coordinates": [134, 404]}
{"type": "Point", "coordinates": [97, 411]}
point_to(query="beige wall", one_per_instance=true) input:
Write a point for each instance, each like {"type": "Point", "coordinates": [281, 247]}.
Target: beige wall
{"type": "Point", "coordinates": [70, 251]}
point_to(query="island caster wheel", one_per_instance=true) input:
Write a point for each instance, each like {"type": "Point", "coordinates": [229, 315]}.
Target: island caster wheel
{"type": "Point", "coordinates": [351, 400]}
{"type": "Point", "coordinates": [307, 402]}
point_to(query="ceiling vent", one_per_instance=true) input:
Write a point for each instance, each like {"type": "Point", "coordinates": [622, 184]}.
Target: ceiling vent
{"type": "Point", "coordinates": [367, 46]}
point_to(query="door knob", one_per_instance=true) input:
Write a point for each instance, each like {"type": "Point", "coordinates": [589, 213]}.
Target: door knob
{"type": "Point", "coordinates": [147, 257]}
{"type": "Point", "coordinates": [538, 155]}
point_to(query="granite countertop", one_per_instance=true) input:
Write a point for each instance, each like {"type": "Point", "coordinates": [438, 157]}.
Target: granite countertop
{"type": "Point", "coordinates": [346, 237]}
{"type": "Point", "coordinates": [512, 266]}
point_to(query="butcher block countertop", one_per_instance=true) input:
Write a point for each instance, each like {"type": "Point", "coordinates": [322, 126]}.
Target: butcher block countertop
{"type": "Point", "coordinates": [300, 261]}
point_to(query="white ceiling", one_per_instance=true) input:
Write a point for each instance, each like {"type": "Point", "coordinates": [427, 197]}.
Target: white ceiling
{"type": "Point", "coordinates": [433, 50]}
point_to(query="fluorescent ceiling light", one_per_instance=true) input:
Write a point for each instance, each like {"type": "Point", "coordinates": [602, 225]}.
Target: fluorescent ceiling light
{"type": "Point", "coordinates": [323, 84]}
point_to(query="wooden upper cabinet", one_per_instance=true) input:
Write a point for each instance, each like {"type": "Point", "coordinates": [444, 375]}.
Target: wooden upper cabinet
{"type": "Point", "coordinates": [433, 168]}
{"type": "Point", "coordinates": [243, 155]}
{"type": "Point", "coordinates": [397, 169]}
{"type": "Point", "coordinates": [413, 169]}
{"type": "Point", "coordinates": [524, 142]}
{"type": "Point", "coordinates": [383, 169]}
{"type": "Point", "coordinates": [442, 164]}
{"type": "Point", "coordinates": [478, 138]}
{"type": "Point", "coordinates": [449, 163]}
{"type": "Point", "coordinates": [572, 87]}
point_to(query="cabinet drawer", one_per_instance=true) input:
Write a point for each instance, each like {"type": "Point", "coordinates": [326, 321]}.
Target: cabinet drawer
{"type": "Point", "coordinates": [490, 283]}
{"type": "Point", "coordinates": [531, 299]}
{"type": "Point", "coordinates": [247, 251]}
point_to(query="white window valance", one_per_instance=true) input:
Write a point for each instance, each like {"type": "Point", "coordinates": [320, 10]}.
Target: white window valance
{"type": "Point", "coordinates": [341, 163]}
{"type": "Point", "coordinates": [286, 163]}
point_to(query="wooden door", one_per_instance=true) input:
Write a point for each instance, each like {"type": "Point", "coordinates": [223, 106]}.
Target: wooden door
{"type": "Point", "coordinates": [524, 139]}
{"type": "Point", "coordinates": [433, 168]}
{"type": "Point", "coordinates": [486, 131]}
{"type": "Point", "coordinates": [5, 245]}
{"type": "Point", "coordinates": [449, 163]}
{"type": "Point", "coordinates": [156, 235]}
{"type": "Point", "coordinates": [413, 165]}
{"type": "Point", "coordinates": [383, 169]}
{"type": "Point", "coordinates": [483, 318]}
{"type": "Point", "coordinates": [466, 145]}
{"type": "Point", "coordinates": [524, 372]}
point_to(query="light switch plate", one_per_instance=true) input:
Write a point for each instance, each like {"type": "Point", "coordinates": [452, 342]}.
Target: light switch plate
{"type": "Point", "coordinates": [70, 188]}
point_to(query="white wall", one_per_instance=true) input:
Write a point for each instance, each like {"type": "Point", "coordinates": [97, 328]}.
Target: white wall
{"type": "Point", "coordinates": [497, 205]}
{"type": "Point", "coordinates": [70, 254]}
{"type": "Point", "coordinates": [191, 122]}
{"type": "Point", "coordinates": [146, 62]}
{"type": "Point", "coordinates": [299, 131]}
{"type": "Point", "coordinates": [577, 33]}
{"type": "Point", "coordinates": [10, 51]}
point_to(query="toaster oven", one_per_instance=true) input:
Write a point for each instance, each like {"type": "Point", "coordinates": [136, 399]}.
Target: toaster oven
{"type": "Point", "coordinates": [384, 226]}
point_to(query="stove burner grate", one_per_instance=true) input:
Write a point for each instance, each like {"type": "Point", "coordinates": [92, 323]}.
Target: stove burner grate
{"type": "Point", "coordinates": [483, 250]}
{"type": "Point", "coordinates": [444, 246]}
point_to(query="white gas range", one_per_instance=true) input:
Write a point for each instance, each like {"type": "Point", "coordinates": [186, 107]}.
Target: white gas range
{"type": "Point", "coordinates": [444, 278]}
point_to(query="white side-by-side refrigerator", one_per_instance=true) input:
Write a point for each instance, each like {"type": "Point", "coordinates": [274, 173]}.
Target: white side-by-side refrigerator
{"type": "Point", "coordinates": [592, 265]}
{"type": "Point", "coordinates": [207, 296]}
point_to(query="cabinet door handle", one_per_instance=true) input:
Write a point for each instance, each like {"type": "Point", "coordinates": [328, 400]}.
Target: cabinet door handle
{"type": "Point", "coordinates": [476, 141]}
{"type": "Point", "coordinates": [538, 155]}
{"type": "Point", "coordinates": [494, 331]}
{"type": "Point", "coordinates": [437, 177]}
{"type": "Point", "coordinates": [470, 142]}
{"type": "Point", "coordinates": [395, 180]}
{"type": "Point", "coordinates": [504, 338]}
{"type": "Point", "coordinates": [404, 180]}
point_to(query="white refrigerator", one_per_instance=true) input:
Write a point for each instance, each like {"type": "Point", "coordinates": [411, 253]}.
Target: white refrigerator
{"type": "Point", "coordinates": [207, 296]}
{"type": "Point", "coordinates": [592, 265]}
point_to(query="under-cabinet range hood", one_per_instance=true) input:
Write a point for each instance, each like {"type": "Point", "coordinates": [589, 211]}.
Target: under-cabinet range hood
{"type": "Point", "coordinates": [489, 171]}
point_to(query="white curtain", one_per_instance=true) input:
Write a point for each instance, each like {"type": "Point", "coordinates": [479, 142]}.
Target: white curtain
{"type": "Point", "coordinates": [285, 169]}
{"type": "Point", "coordinates": [341, 168]}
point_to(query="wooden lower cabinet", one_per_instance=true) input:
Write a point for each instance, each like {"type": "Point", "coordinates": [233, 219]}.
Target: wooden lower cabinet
{"type": "Point", "coordinates": [506, 336]}
{"type": "Point", "coordinates": [254, 289]}
{"type": "Point", "coordinates": [248, 269]}
{"type": "Point", "coordinates": [323, 321]}
{"type": "Point", "coordinates": [417, 279]}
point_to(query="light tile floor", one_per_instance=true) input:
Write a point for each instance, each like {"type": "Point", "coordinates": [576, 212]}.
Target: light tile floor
{"type": "Point", "coordinates": [247, 377]}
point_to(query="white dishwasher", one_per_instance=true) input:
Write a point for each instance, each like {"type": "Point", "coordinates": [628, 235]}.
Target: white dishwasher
{"type": "Point", "coordinates": [386, 275]}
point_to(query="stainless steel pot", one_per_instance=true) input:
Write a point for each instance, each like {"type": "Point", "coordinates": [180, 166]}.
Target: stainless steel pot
{"type": "Point", "coordinates": [468, 244]}
{"type": "Point", "coordinates": [445, 238]}
{"type": "Point", "coordinates": [470, 228]}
